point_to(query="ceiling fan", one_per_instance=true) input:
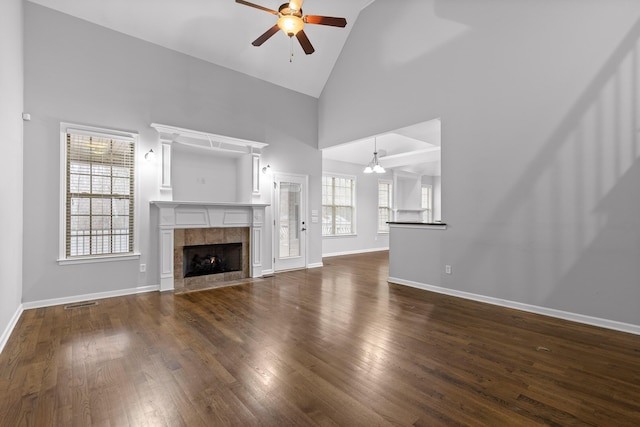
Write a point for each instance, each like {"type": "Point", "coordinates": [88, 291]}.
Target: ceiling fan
{"type": "Point", "coordinates": [291, 21]}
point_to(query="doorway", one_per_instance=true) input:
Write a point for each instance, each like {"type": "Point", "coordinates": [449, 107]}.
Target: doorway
{"type": "Point", "coordinates": [290, 223]}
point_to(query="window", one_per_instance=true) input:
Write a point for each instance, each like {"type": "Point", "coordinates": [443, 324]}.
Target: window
{"type": "Point", "coordinates": [384, 206]}
{"type": "Point", "coordinates": [427, 203]}
{"type": "Point", "coordinates": [338, 206]}
{"type": "Point", "coordinates": [98, 193]}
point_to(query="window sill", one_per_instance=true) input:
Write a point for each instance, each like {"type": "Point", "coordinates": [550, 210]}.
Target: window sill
{"type": "Point", "coordinates": [96, 259]}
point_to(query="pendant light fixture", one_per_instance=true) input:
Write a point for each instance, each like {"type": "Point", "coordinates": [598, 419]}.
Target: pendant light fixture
{"type": "Point", "coordinates": [374, 164]}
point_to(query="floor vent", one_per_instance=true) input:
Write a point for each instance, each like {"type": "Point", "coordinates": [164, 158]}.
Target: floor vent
{"type": "Point", "coordinates": [80, 305]}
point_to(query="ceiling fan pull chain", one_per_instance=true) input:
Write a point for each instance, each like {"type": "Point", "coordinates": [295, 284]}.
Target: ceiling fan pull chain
{"type": "Point", "coordinates": [291, 57]}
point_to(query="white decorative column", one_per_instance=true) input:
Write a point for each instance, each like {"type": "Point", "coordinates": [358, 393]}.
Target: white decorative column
{"type": "Point", "coordinates": [256, 241]}
{"type": "Point", "coordinates": [166, 219]}
{"type": "Point", "coordinates": [165, 173]}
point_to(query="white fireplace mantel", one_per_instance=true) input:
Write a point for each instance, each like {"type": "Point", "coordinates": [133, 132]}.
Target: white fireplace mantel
{"type": "Point", "coordinates": [188, 214]}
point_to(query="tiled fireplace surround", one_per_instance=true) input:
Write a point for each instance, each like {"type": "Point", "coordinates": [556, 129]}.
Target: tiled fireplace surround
{"type": "Point", "coordinates": [208, 236]}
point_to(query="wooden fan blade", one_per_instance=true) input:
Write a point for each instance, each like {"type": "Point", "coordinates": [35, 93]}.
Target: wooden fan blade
{"type": "Point", "coordinates": [325, 20]}
{"type": "Point", "coordinates": [257, 6]}
{"type": "Point", "coordinates": [266, 36]}
{"type": "Point", "coordinates": [305, 43]}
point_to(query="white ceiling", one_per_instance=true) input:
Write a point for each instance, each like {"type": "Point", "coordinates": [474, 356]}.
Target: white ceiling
{"type": "Point", "coordinates": [414, 149]}
{"type": "Point", "coordinates": [221, 32]}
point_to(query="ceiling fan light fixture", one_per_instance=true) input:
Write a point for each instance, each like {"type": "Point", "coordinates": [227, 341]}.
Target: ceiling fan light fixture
{"type": "Point", "coordinates": [290, 24]}
{"type": "Point", "coordinates": [295, 4]}
{"type": "Point", "coordinates": [291, 21]}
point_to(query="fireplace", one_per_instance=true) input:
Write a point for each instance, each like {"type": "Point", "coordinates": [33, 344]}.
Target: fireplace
{"type": "Point", "coordinates": [201, 260]}
{"type": "Point", "coordinates": [187, 223]}
{"type": "Point", "coordinates": [210, 257]}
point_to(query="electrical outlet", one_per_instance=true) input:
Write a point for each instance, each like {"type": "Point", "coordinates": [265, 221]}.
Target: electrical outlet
{"type": "Point", "coordinates": [447, 269]}
{"type": "Point", "coordinates": [143, 268]}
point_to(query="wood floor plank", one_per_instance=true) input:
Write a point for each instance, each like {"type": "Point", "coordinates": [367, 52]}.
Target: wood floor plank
{"type": "Point", "coordinates": [336, 345]}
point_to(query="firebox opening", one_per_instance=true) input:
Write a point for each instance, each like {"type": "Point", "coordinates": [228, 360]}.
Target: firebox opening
{"type": "Point", "coordinates": [212, 259]}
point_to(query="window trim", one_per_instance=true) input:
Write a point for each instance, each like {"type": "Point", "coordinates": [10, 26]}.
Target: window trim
{"type": "Point", "coordinates": [354, 221]}
{"type": "Point", "coordinates": [101, 132]}
{"type": "Point", "coordinates": [391, 211]}
{"type": "Point", "coordinates": [430, 210]}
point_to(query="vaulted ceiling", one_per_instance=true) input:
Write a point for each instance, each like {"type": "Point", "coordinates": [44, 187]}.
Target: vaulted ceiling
{"type": "Point", "coordinates": [221, 32]}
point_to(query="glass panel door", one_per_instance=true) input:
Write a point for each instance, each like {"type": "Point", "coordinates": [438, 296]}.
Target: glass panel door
{"type": "Point", "coordinates": [289, 194]}
{"type": "Point", "coordinates": [290, 226]}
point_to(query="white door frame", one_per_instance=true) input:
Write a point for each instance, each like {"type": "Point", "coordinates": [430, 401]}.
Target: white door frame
{"type": "Point", "coordinates": [304, 203]}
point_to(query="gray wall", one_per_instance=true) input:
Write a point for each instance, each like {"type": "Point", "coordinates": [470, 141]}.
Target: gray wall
{"type": "Point", "coordinates": [367, 237]}
{"type": "Point", "coordinates": [539, 106]}
{"type": "Point", "coordinates": [82, 73]}
{"type": "Point", "coordinates": [11, 86]}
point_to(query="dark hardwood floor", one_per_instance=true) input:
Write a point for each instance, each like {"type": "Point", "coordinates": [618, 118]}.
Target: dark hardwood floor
{"type": "Point", "coordinates": [336, 345]}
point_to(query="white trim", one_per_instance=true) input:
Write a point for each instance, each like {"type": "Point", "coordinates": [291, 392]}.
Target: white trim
{"type": "Point", "coordinates": [304, 202]}
{"type": "Point", "coordinates": [354, 205]}
{"type": "Point", "coordinates": [419, 225]}
{"type": "Point", "coordinates": [354, 252]}
{"type": "Point", "coordinates": [430, 201]}
{"type": "Point", "coordinates": [392, 203]}
{"type": "Point", "coordinates": [267, 273]}
{"type": "Point", "coordinates": [315, 265]}
{"type": "Point", "coordinates": [132, 137]}
{"type": "Point", "coordinates": [96, 131]}
{"type": "Point", "coordinates": [4, 338]}
{"type": "Point", "coordinates": [339, 236]}
{"type": "Point", "coordinates": [339, 175]}
{"type": "Point", "coordinates": [98, 258]}
{"type": "Point", "coordinates": [206, 140]}
{"type": "Point", "coordinates": [86, 297]}
{"type": "Point", "coordinates": [545, 311]}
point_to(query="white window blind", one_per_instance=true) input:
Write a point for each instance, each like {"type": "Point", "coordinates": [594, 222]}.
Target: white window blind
{"type": "Point", "coordinates": [384, 206]}
{"type": "Point", "coordinates": [338, 206]}
{"type": "Point", "coordinates": [99, 195]}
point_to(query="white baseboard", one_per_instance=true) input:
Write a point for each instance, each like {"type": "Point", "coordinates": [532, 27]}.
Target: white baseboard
{"type": "Point", "coordinates": [267, 273]}
{"type": "Point", "coordinates": [86, 297]}
{"type": "Point", "coordinates": [12, 324]}
{"type": "Point", "coordinates": [354, 252]}
{"type": "Point", "coordinates": [315, 265]}
{"type": "Point", "coordinates": [565, 315]}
